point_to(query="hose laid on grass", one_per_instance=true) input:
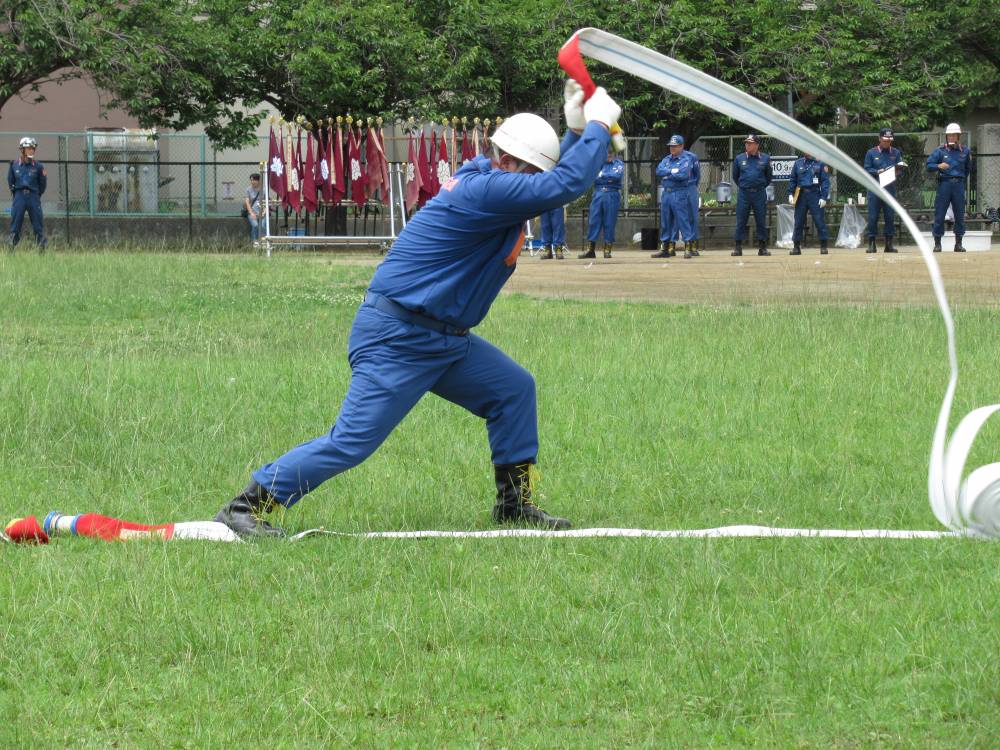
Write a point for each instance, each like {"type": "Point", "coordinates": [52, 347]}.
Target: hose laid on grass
{"type": "Point", "coordinates": [972, 505]}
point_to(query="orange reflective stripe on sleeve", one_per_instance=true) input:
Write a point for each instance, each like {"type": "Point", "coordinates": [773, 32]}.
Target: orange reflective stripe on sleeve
{"type": "Point", "coordinates": [511, 259]}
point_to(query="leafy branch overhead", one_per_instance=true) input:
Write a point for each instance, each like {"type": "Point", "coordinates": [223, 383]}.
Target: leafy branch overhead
{"type": "Point", "coordinates": [176, 63]}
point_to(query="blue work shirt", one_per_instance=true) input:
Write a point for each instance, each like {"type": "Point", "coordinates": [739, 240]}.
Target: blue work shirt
{"type": "Point", "coordinates": [454, 256]}
{"type": "Point", "coordinates": [752, 171]}
{"type": "Point", "coordinates": [958, 157]}
{"type": "Point", "coordinates": [27, 175]}
{"type": "Point", "coordinates": [877, 160]}
{"type": "Point", "coordinates": [676, 171]}
{"type": "Point", "coordinates": [610, 177]}
{"type": "Point", "coordinates": [808, 172]}
{"type": "Point", "coordinates": [696, 171]}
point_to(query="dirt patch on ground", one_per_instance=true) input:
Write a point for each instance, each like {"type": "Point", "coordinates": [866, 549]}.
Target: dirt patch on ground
{"type": "Point", "coordinates": [844, 277]}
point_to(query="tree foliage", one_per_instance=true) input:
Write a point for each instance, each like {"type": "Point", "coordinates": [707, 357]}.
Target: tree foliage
{"type": "Point", "coordinates": [908, 63]}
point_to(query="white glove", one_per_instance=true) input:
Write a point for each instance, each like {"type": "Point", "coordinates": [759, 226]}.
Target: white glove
{"type": "Point", "coordinates": [602, 108]}
{"type": "Point", "coordinates": [791, 200]}
{"type": "Point", "coordinates": [618, 141]}
{"type": "Point", "coordinates": [573, 108]}
{"type": "Point", "coordinates": [822, 203]}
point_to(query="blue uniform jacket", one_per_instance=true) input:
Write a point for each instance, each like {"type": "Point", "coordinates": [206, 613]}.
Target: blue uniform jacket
{"type": "Point", "coordinates": [752, 171]}
{"type": "Point", "coordinates": [29, 175]}
{"type": "Point", "coordinates": [454, 256]}
{"type": "Point", "coordinates": [807, 173]}
{"type": "Point", "coordinates": [676, 171]}
{"type": "Point", "coordinates": [959, 160]}
{"type": "Point", "coordinates": [877, 160]}
{"type": "Point", "coordinates": [611, 175]}
{"type": "Point", "coordinates": [696, 171]}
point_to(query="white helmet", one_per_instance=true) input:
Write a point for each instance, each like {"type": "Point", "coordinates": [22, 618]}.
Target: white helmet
{"type": "Point", "coordinates": [953, 127]}
{"type": "Point", "coordinates": [28, 142]}
{"type": "Point", "coordinates": [529, 138]}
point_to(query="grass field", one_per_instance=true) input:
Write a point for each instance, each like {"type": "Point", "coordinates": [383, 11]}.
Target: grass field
{"type": "Point", "coordinates": [148, 386]}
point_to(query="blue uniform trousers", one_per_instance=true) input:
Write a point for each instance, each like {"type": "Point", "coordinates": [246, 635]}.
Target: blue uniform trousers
{"type": "Point", "coordinates": [950, 192]}
{"type": "Point", "coordinates": [675, 214]}
{"type": "Point", "coordinates": [603, 214]}
{"type": "Point", "coordinates": [875, 205]}
{"type": "Point", "coordinates": [394, 363]}
{"type": "Point", "coordinates": [693, 197]}
{"type": "Point", "coordinates": [26, 201]}
{"type": "Point", "coordinates": [756, 199]}
{"type": "Point", "coordinates": [809, 200]}
{"type": "Point", "coordinates": [554, 227]}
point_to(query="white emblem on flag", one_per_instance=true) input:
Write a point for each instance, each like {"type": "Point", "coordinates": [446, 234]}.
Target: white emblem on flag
{"type": "Point", "coordinates": [294, 178]}
{"type": "Point", "coordinates": [444, 172]}
{"type": "Point", "coordinates": [324, 169]}
{"type": "Point", "coordinates": [410, 172]}
{"type": "Point", "coordinates": [276, 166]}
{"type": "Point", "coordinates": [355, 169]}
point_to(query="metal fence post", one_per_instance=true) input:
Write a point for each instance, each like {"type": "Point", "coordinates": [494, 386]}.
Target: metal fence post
{"type": "Point", "coordinates": [190, 205]}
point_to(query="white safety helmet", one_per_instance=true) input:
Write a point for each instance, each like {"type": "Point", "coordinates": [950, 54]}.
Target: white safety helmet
{"type": "Point", "coordinates": [953, 128]}
{"type": "Point", "coordinates": [28, 142]}
{"type": "Point", "coordinates": [529, 138]}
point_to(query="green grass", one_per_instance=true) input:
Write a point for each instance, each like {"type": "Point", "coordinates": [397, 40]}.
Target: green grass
{"type": "Point", "coordinates": [148, 386]}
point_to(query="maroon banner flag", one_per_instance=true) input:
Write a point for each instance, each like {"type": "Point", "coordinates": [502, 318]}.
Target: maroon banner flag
{"type": "Point", "coordinates": [324, 169]}
{"type": "Point", "coordinates": [373, 165]}
{"type": "Point", "coordinates": [354, 165]}
{"type": "Point", "coordinates": [338, 182]}
{"type": "Point", "coordinates": [432, 164]}
{"type": "Point", "coordinates": [414, 180]}
{"type": "Point", "coordinates": [309, 176]}
{"type": "Point", "coordinates": [426, 186]}
{"type": "Point", "coordinates": [467, 152]}
{"type": "Point", "coordinates": [275, 168]}
{"type": "Point", "coordinates": [293, 191]}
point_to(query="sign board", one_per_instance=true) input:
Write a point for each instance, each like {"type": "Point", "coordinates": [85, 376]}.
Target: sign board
{"type": "Point", "coordinates": [781, 166]}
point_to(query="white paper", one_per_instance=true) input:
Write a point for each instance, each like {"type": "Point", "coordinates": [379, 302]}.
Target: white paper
{"type": "Point", "coordinates": [887, 177]}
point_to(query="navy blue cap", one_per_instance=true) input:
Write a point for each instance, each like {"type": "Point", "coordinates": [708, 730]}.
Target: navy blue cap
{"type": "Point", "coordinates": [752, 138]}
{"type": "Point", "coordinates": [676, 140]}
{"type": "Point", "coordinates": [885, 133]}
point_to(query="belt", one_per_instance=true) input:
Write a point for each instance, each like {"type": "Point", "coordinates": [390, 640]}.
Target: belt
{"type": "Point", "coordinates": [951, 179]}
{"type": "Point", "coordinates": [608, 190]}
{"type": "Point", "coordinates": [808, 188]}
{"type": "Point", "coordinates": [674, 190]}
{"type": "Point", "coordinates": [386, 305]}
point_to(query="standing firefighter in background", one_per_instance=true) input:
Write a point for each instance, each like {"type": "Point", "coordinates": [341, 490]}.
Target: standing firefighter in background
{"type": "Point", "coordinates": [691, 239]}
{"type": "Point", "coordinates": [553, 234]}
{"type": "Point", "coordinates": [675, 171]}
{"type": "Point", "coordinates": [880, 159]}
{"type": "Point", "coordinates": [809, 189]}
{"type": "Point", "coordinates": [604, 205]}
{"type": "Point", "coordinates": [751, 175]}
{"type": "Point", "coordinates": [952, 162]}
{"type": "Point", "coordinates": [411, 334]}
{"type": "Point", "coordinates": [27, 180]}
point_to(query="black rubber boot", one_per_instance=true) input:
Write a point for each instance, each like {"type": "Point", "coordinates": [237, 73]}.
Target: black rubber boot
{"type": "Point", "coordinates": [958, 245]}
{"type": "Point", "coordinates": [546, 253]}
{"type": "Point", "coordinates": [888, 246]}
{"type": "Point", "coordinates": [762, 248]}
{"type": "Point", "coordinates": [243, 512]}
{"type": "Point", "coordinates": [871, 246]}
{"type": "Point", "coordinates": [796, 249]}
{"type": "Point", "coordinates": [591, 251]}
{"type": "Point", "coordinates": [514, 499]}
{"type": "Point", "coordinates": [738, 251]}
{"type": "Point", "coordinates": [822, 247]}
{"type": "Point", "coordinates": [561, 252]}
{"type": "Point", "coordinates": [694, 249]}
{"type": "Point", "coordinates": [672, 249]}
{"type": "Point", "coordinates": [607, 249]}
{"type": "Point", "coordinates": [937, 244]}
{"type": "Point", "coordinates": [664, 251]}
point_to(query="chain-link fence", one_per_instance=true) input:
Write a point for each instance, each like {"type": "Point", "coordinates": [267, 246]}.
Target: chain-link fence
{"type": "Point", "coordinates": [114, 172]}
